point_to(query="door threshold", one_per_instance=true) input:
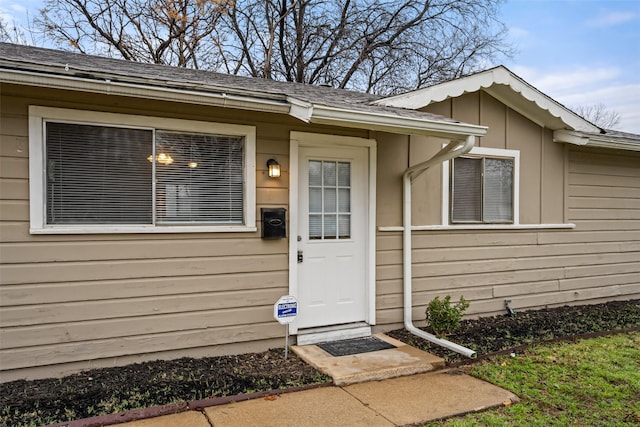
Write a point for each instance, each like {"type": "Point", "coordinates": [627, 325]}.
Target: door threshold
{"type": "Point", "coordinates": [333, 333]}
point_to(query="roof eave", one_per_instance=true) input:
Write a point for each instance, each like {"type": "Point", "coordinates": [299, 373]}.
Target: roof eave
{"type": "Point", "coordinates": [596, 140]}
{"type": "Point", "coordinates": [137, 90]}
{"type": "Point", "coordinates": [486, 81]}
{"type": "Point", "coordinates": [321, 114]}
{"type": "Point", "coordinates": [305, 111]}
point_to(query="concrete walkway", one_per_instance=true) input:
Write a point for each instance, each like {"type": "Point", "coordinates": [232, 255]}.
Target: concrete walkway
{"type": "Point", "coordinates": [407, 400]}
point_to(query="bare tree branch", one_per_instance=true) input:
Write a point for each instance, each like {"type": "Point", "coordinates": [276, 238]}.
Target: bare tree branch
{"type": "Point", "coordinates": [381, 46]}
{"type": "Point", "coordinates": [599, 115]}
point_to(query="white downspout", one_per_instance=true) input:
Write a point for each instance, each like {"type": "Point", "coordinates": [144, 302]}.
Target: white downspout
{"type": "Point", "coordinates": [452, 150]}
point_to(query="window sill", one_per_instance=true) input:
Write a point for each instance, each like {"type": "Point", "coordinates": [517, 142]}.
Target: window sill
{"type": "Point", "coordinates": [143, 229]}
{"type": "Point", "coordinates": [482, 227]}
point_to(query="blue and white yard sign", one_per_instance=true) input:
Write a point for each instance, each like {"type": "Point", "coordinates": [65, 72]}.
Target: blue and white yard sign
{"type": "Point", "coordinates": [285, 309]}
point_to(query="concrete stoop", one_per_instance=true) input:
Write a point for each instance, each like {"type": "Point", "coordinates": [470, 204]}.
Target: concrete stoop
{"type": "Point", "coordinates": [373, 366]}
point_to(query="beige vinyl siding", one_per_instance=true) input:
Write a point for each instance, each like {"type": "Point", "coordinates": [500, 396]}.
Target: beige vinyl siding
{"type": "Point", "coordinates": [102, 298]}
{"type": "Point", "coordinates": [599, 260]}
{"type": "Point", "coordinates": [69, 302]}
{"type": "Point", "coordinates": [489, 267]}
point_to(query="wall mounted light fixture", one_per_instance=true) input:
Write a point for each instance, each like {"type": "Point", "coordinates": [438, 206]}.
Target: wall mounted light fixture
{"type": "Point", "coordinates": [274, 168]}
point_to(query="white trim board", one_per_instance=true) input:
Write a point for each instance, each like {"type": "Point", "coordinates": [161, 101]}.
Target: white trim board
{"type": "Point", "coordinates": [37, 117]}
{"type": "Point", "coordinates": [483, 151]}
{"type": "Point", "coordinates": [298, 139]}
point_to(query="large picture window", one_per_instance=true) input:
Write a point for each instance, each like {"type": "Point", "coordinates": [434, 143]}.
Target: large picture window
{"type": "Point", "coordinates": [107, 175]}
{"type": "Point", "coordinates": [483, 187]}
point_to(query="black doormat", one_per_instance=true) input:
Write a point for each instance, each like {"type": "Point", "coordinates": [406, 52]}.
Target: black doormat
{"type": "Point", "coordinates": [355, 346]}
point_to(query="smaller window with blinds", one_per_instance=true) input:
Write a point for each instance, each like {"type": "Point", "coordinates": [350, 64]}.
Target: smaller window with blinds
{"type": "Point", "coordinates": [482, 189]}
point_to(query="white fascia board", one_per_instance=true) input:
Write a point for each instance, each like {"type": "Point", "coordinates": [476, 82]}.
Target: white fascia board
{"type": "Point", "coordinates": [563, 135]}
{"type": "Point", "coordinates": [597, 140]}
{"type": "Point", "coordinates": [394, 124]}
{"type": "Point", "coordinates": [108, 87]}
{"type": "Point", "coordinates": [614, 144]}
{"type": "Point", "coordinates": [485, 80]}
{"type": "Point", "coordinates": [556, 109]}
{"type": "Point", "coordinates": [422, 97]}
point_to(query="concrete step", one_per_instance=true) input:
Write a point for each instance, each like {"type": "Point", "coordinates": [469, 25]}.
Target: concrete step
{"type": "Point", "coordinates": [332, 333]}
{"type": "Point", "coordinates": [376, 365]}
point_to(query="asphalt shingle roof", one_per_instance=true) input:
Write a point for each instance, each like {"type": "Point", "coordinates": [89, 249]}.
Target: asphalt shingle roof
{"type": "Point", "coordinates": [63, 63]}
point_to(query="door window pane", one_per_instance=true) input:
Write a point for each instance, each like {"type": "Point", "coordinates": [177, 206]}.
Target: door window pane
{"type": "Point", "coordinates": [344, 174]}
{"type": "Point", "coordinates": [315, 200]}
{"type": "Point", "coordinates": [329, 200]}
{"type": "Point", "coordinates": [344, 226]}
{"type": "Point", "coordinates": [315, 227]}
{"type": "Point", "coordinates": [315, 173]}
{"type": "Point", "coordinates": [344, 200]}
{"type": "Point", "coordinates": [330, 228]}
{"type": "Point", "coordinates": [329, 173]}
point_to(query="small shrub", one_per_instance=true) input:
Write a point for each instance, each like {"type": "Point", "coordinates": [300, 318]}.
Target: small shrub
{"type": "Point", "coordinates": [442, 317]}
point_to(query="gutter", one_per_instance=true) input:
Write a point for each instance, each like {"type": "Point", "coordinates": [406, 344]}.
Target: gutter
{"type": "Point", "coordinates": [139, 90]}
{"type": "Point", "coordinates": [616, 142]}
{"type": "Point", "coordinates": [380, 121]}
{"type": "Point", "coordinates": [452, 150]}
{"type": "Point", "coordinates": [360, 118]}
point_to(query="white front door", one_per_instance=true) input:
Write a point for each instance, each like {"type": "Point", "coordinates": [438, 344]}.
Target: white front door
{"type": "Point", "coordinates": [332, 235]}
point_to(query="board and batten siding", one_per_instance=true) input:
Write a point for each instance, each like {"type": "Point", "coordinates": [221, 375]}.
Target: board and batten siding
{"type": "Point", "coordinates": [71, 302]}
{"type": "Point", "coordinates": [598, 190]}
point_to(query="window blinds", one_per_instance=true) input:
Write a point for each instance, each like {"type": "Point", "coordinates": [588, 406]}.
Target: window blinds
{"type": "Point", "coordinates": [104, 175]}
{"type": "Point", "coordinates": [97, 174]}
{"type": "Point", "coordinates": [205, 181]}
{"type": "Point", "coordinates": [466, 191]}
{"type": "Point", "coordinates": [482, 190]}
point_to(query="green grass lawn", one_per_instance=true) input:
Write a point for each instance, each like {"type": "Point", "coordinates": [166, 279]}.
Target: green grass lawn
{"type": "Point", "coordinates": [592, 382]}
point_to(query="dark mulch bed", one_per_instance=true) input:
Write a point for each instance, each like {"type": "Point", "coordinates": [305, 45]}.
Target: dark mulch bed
{"type": "Point", "coordinates": [493, 334]}
{"type": "Point", "coordinates": [113, 390]}
{"type": "Point", "coordinates": [140, 385]}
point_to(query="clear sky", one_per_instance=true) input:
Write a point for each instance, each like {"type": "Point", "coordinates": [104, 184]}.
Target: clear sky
{"type": "Point", "coordinates": [579, 52]}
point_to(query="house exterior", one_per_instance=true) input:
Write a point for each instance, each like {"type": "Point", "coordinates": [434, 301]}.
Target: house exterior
{"type": "Point", "coordinates": [132, 199]}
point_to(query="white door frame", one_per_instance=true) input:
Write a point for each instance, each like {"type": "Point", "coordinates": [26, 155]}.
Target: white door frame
{"type": "Point", "coordinates": [303, 139]}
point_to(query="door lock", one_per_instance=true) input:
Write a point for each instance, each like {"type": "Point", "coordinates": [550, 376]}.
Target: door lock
{"type": "Point", "coordinates": [300, 257]}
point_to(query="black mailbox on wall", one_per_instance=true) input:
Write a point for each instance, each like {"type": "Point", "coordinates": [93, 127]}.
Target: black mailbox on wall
{"type": "Point", "coordinates": [274, 225]}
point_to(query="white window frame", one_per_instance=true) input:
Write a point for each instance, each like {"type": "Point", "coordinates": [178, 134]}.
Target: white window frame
{"type": "Point", "coordinates": [483, 152]}
{"type": "Point", "coordinates": [37, 207]}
